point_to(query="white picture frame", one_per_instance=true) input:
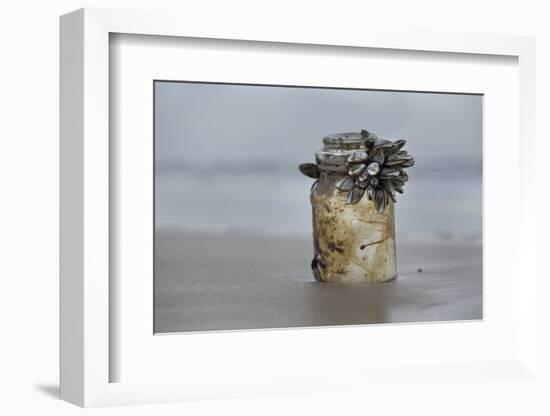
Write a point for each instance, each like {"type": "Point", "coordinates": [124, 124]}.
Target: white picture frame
{"type": "Point", "coordinates": [88, 295]}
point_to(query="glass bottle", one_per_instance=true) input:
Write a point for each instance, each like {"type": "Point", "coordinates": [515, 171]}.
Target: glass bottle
{"type": "Point", "coordinates": [354, 234]}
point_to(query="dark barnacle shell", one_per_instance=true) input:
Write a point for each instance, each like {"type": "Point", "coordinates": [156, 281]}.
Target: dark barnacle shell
{"type": "Point", "coordinates": [397, 159]}
{"type": "Point", "coordinates": [397, 187]}
{"type": "Point", "coordinates": [310, 169]}
{"type": "Point", "coordinates": [362, 183]}
{"type": "Point", "coordinates": [355, 194]}
{"type": "Point", "coordinates": [356, 169]}
{"type": "Point", "coordinates": [377, 171]}
{"type": "Point", "coordinates": [316, 266]}
{"type": "Point", "coordinates": [377, 155]}
{"type": "Point", "coordinates": [370, 193]}
{"type": "Point", "coordinates": [358, 157]}
{"type": "Point", "coordinates": [383, 144]}
{"type": "Point", "coordinates": [398, 144]}
{"type": "Point", "coordinates": [345, 184]}
{"type": "Point", "coordinates": [390, 192]}
{"type": "Point", "coordinates": [380, 200]}
{"type": "Point", "coordinates": [369, 138]}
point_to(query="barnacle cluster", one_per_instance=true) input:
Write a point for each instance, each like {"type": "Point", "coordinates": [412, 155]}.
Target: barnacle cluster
{"type": "Point", "coordinates": [378, 171]}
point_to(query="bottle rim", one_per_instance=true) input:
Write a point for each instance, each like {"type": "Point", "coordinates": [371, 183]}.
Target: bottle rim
{"type": "Point", "coordinates": [342, 139]}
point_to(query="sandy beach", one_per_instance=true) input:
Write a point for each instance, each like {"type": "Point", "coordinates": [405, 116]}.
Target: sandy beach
{"type": "Point", "coordinates": [229, 281]}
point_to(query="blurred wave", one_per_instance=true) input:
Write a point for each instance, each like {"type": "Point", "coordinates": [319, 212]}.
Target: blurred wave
{"type": "Point", "coordinates": [442, 201]}
{"type": "Point", "coordinates": [449, 167]}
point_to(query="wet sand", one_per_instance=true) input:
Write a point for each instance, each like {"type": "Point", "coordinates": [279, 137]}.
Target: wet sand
{"type": "Point", "coordinates": [231, 281]}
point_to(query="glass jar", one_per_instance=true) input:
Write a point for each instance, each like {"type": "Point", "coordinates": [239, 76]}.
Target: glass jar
{"type": "Point", "coordinates": [354, 239]}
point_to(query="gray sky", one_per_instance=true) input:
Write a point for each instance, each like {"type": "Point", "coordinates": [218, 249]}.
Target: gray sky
{"type": "Point", "coordinates": [215, 121]}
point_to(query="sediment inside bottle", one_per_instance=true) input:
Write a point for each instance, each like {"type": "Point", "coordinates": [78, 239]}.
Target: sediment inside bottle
{"type": "Point", "coordinates": [353, 241]}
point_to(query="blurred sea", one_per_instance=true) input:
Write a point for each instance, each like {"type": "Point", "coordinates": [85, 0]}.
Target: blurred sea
{"type": "Point", "coordinates": [442, 200]}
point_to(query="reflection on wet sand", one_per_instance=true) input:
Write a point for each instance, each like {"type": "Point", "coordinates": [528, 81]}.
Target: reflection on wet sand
{"type": "Point", "coordinates": [226, 281]}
